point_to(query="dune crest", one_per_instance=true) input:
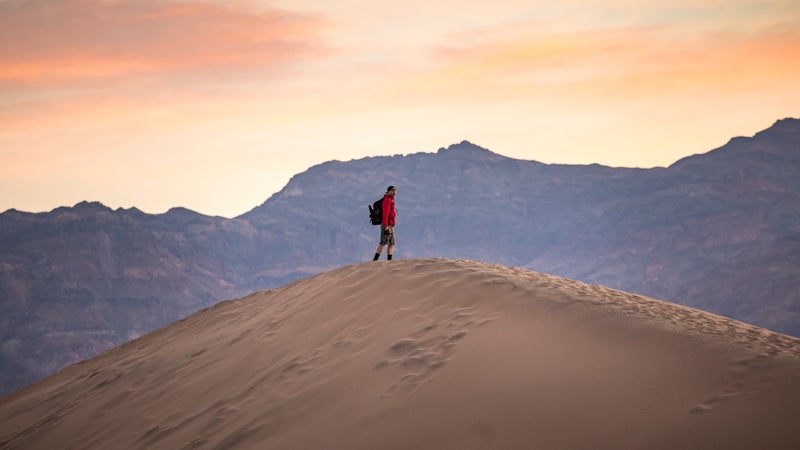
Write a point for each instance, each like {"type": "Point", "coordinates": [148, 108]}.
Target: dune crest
{"type": "Point", "coordinates": [425, 353]}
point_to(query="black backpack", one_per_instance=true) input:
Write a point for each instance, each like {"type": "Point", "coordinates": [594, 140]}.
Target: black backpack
{"type": "Point", "coordinates": [376, 212]}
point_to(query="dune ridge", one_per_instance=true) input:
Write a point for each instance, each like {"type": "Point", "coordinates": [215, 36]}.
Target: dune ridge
{"type": "Point", "coordinates": [425, 353]}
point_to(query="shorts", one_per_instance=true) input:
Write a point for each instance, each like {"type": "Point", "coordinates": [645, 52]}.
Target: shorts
{"type": "Point", "coordinates": [386, 239]}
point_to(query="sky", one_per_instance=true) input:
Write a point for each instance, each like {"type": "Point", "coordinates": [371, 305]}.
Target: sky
{"type": "Point", "coordinates": [214, 105]}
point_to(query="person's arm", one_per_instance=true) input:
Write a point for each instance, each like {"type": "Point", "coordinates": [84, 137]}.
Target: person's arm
{"type": "Point", "coordinates": [386, 206]}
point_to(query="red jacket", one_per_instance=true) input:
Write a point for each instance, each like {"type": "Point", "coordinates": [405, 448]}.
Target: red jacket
{"type": "Point", "coordinates": [389, 213]}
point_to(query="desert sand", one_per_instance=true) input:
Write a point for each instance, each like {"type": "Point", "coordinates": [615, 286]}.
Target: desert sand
{"type": "Point", "coordinates": [426, 354]}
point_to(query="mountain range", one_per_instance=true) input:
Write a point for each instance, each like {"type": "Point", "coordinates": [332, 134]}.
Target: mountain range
{"type": "Point", "coordinates": [719, 231]}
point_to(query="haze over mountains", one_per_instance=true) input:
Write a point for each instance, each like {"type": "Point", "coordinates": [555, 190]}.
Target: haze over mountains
{"type": "Point", "coordinates": [718, 231]}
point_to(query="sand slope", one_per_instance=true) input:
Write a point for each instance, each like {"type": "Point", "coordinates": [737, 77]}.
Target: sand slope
{"type": "Point", "coordinates": [426, 354]}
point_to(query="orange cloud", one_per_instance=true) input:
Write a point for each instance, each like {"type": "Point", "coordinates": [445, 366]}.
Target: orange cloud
{"type": "Point", "coordinates": [608, 62]}
{"type": "Point", "coordinates": [74, 63]}
{"type": "Point", "coordinates": [47, 42]}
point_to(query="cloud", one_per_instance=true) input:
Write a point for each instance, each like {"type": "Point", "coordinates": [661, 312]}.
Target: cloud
{"type": "Point", "coordinates": [621, 61]}
{"type": "Point", "coordinates": [55, 42]}
{"type": "Point", "coordinates": [70, 64]}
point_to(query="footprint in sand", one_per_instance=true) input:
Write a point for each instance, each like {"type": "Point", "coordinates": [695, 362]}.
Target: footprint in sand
{"type": "Point", "coordinates": [428, 349]}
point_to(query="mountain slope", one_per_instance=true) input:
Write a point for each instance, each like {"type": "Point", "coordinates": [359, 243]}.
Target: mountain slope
{"type": "Point", "coordinates": [426, 353]}
{"type": "Point", "coordinates": [77, 281]}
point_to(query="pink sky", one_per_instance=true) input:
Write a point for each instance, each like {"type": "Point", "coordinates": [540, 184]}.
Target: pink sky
{"type": "Point", "coordinates": [214, 105]}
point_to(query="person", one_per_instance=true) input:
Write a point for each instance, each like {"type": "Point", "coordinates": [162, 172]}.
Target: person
{"type": "Point", "coordinates": [387, 225]}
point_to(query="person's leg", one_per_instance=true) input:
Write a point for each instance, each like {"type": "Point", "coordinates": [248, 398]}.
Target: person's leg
{"type": "Point", "coordinates": [384, 240]}
{"type": "Point", "coordinates": [390, 243]}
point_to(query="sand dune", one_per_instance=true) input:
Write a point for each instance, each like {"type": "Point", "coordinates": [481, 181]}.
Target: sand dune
{"type": "Point", "coordinates": [426, 354]}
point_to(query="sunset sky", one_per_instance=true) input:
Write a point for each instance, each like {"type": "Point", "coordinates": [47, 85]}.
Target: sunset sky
{"type": "Point", "coordinates": [213, 105]}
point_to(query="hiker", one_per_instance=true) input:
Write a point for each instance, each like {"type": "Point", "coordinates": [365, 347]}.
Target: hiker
{"type": "Point", "coordinates": [387, 224]}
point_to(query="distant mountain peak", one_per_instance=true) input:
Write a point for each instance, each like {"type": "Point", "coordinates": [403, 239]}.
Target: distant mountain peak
{"type": "Point", "coordinates": [87, 205]}
{"type": "Point", "coordinates": [787, 126]}
{"type": "Point", "coordinates": [179, 210]}
{"type": "Point", "coordinates": [788, 121]}
{"type": "Point", "coordinates": [782, 128]}
{"type": "Point", "coordinates": [781, 142]}
{"type": "Point", "coordinates": [464, 146]}
{"type": "Point", "coordinates": [83, 208]}
{"type": "Point", "coordinates": [467, 148]}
